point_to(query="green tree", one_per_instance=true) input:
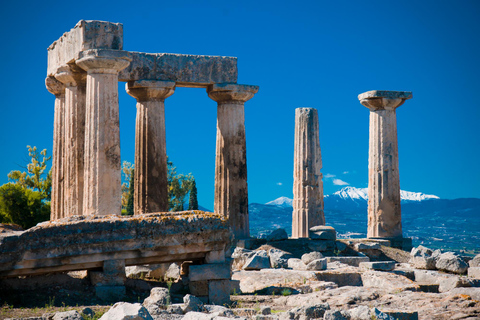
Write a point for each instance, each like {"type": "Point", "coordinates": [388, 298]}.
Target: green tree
{"type": "Point", "coordinates": [22, 206]}
{"type": "Point", "coordinates": [179, 185]}
{"type": "Point", "coordinates": [127, 175]}
{"type": "Point", "coordinates": [130, 194]}
{"type": "Point", "coordinates": [35, 178]}
{"type": "Point", "coordinates": [192, 201]}
{"type": "Point", "coordinates": [26, 199]}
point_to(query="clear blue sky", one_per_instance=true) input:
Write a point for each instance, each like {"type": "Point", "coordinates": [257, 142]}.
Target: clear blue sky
{"type": "Point", "coordinates": [319, 54]}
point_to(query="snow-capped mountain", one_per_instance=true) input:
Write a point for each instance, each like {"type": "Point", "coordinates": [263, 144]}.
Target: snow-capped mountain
{"type": "Point", "coordinates": [281, 202]}
{"type": "Point", "coordinates": [436, 223]}
{"type": "Point", "coordinates": [359, 195]}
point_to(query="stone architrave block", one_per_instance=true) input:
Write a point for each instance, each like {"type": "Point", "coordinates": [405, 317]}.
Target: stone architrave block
{"type": "Point", "coordinates": [85, 35]}
{"type": "Point", "coordinates": [198, 288]}
{"type": "Point", "coordinates": [219, 292]}
{"type": "Point", "coordinates": [474, 272]}
{"type": "Point", "coordinates": [323, 233]}
{"type": "Point", "coordinates": [186, 70]}
{"type": "Point", "coordinates": [378, 265]}
{"type": "Point", "coordinates": [214, 271]}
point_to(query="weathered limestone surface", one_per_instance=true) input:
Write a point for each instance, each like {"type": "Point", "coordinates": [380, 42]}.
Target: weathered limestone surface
{"type": "Point", "coordinates": [74, 137]}
{"type": "Point", "coordinates": [102, 181]}
{"type": "Point", "coordinates": [58, 89]}
{"type": "Point", "coordinates": [307, 179]}
{"type": "Point", "coordinates": [151, 185]}
{"type": "Point", "coordinates": [85, 35]}
{"type": "Point", "coordinates": [231, 192]}
{"type": "Point", "coordinates": [88, 241]}
{"type": "Point", "coordinates": [186, 70]}
{"type": "Point", "coordinates": [384, 212]}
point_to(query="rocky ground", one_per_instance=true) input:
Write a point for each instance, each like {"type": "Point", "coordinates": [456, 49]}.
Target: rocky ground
{"type": "Point", "coordinates": [277, 280]}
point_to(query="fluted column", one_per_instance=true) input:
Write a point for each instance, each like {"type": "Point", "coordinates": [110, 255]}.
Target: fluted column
{"type": "Point", "coordinates": [102, 167]}
{"type": "Point", "coordinates": [384, 211]}
{"type": "Point", "coordinates": [58, 89]}
{"type": "Point", "coordinates": [231, 191]}
{"type": "Point", "coordinates": [307, 179]}
{"type": "Point", "coordinates": [151, 183]}
{"type": "Point", "coordinates": [74, 137]}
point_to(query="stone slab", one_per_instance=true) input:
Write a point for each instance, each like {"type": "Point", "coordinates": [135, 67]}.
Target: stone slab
{"type": "Point", "coordinates": [474, 272]}
{"type": "Point", "coordinates": [378, 265]}
{"type": "Point", "coordinates": [88, 241]}
{"type": "Point", "coordinates": [214, 271]}
{"type": "Point", "coordinates": [375, 94]}
{"type": "Point", "coordinates": [186, 70]}
{"type": "Point", "coordinates": [351, 261]}
{"type": "Point", "coordinates": [87, 34]}
{"type": "Point", "coordinates": [341, 278]}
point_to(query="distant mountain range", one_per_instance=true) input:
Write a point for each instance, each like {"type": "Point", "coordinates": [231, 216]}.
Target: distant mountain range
{"type": "Point", "coordinates": [429, 220]}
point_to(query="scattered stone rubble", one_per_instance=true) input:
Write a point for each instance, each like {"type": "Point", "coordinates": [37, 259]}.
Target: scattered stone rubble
{"type": "Point", "coordinates": [280, 285]}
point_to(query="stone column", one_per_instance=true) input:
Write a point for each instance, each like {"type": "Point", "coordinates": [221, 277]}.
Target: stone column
{"type": "Point", "coordinates": [102, 179]}
{"type": "Point", "coordinates": [384, 213]}
{"type": "Point", "coordinates": [307, 179]}
{"type": "Point", "coordinates": [151, 184]}
{"type": "Point", "coordinates": [74, 137]}
{"type": "Point", "coordinates": [58, 89]}
{"type": "Point", "coordinates": [231, 192]}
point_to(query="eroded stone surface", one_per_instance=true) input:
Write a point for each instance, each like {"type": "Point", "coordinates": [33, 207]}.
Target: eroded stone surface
{"type": "Point", "coordinates": [307, 179]}
{"type": "Point", "coordinates": [384, 212]}
{"type": "Point", "coordinates": [231, 191]}
{"type": "Point", "coordinates": [87, 241]}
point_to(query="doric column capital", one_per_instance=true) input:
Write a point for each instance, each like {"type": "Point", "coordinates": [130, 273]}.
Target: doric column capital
{"type": "Point", "coordinates": [148, 90]}
{"type": "Point", "coordinates": [227, 92]}
{"type": "Point", "coordinates": [70, 76]}
{"type": "Point", "coordinates": [54, 86]}
{"type": "Point", "coordinates": [383, 100]}
{"type": "Point", "coordinates": [103, 60]}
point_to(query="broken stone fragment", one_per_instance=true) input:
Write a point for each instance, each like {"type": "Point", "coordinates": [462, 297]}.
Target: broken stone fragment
{"type": "Point", "coordinates": [296, 264]}
{"type": "Point", "coordinates": [309, 257]}
{"type": "Point", "coordinates": [279, 258]}
{"type": "Point", "coordinates": [127, 311]}
{"type": "Point", "coordinates": [159, 298]}
{"type": "Point", "coordinates": [421, 258]}
{"type": "Point", "coordinates": [451, 262]}
{"type": "Point", "coordinates": [259, 260]}
{"type": "Point", "coordinates": [68, 315]}
{"type": "Point", "coordinates": [475, 262]}
{"type": "Point", "coordinates": [317, 265]}
{"type": "Point", "coordinates": [474, 272]}
{"type": "Point", "coordinates": [323, 233]}
{"type": "Point", "coordinates": [173, 272]}
{"type": "Point", "coordinates": [192, 303]}
{"type": "Point", "coordinates": [378, 265]}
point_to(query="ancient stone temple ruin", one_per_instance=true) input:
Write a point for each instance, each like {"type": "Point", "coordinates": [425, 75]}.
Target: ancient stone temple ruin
{"type": "Point", "coordinates": [307, 179]}
{"type": "Point", "coordinates": [384, 212]}
{"type": "Point", "coordinates": [84, 67]}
